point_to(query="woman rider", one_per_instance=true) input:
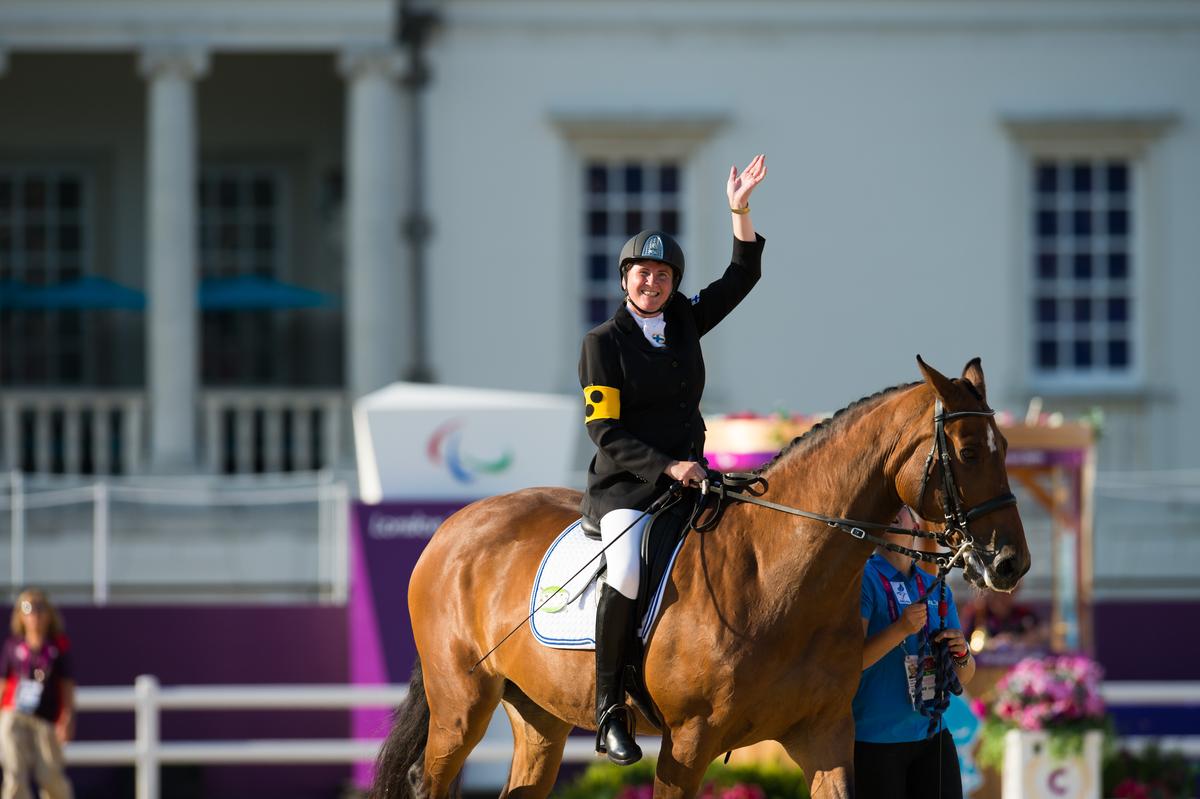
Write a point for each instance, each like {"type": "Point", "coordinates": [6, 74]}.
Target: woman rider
{"type": "Point", "coordinates": [642, 375]}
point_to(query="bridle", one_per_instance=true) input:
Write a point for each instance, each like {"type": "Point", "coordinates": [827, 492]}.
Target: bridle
{"type": "Point", "coordinates": [955, 536]}
{"type": "Point", "coordinates": [957, 518]}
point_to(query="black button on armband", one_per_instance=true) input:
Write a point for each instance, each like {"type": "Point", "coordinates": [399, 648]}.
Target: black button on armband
{"type": "Point", "coordinates": [683, 405]}
{"type": "Point", "coordinates": [601, 402]}
{"type": "Point", "coordinates": [675, 364]}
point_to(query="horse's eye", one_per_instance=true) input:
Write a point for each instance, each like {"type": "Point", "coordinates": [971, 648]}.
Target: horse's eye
{"type": "Point", "coordinates": [968, 454]}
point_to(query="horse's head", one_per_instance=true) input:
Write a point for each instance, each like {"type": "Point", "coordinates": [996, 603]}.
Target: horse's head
{"type": "Point", "coordinates": [955, 471]}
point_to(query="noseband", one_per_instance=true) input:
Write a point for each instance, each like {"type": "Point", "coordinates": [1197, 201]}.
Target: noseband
{"type": "Point", "coordinates": [957, 517]}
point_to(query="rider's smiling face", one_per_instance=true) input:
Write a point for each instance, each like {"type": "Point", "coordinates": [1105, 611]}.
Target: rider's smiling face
{"type": "Point", "coordinates": [648, 284]}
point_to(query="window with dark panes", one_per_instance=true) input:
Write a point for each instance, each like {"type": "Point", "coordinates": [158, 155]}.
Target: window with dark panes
{"type": "Point", "coordinates": [1082, 267]}
{"type": "Point", "coordinates": [621, 198]}
{"type": "Point", "coordinates": [44, 241]}
{"type": "Point", "coordinates": [242, 217]}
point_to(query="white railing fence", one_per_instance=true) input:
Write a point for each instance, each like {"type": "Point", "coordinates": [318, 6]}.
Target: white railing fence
{"type": "Point", "coordinates": [147, 700]}
{"type": "Point", "coordinates": [147, 513]}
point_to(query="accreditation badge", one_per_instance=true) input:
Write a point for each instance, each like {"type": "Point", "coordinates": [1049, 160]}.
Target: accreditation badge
{"type": "Point", "coordinates": [28, 696]}
{"type": "Point", "coordinates": [928, 678]}
{"type": "Point", "coordinates": [921, 675]}
{"type": "Point", "coordinates": [912, 674]}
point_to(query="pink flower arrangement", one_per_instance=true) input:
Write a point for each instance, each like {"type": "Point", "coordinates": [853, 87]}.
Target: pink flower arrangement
{"type": "Point", "coordinates": [644, 791]}
{"type": "Point", "coordinates": [1057, 694]}
{"type": "Point", "coordinates": [1042, 693]}
{"type": "Point", "coordinates": [741, 790]}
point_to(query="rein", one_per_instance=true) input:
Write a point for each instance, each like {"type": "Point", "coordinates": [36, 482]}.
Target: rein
{"type": "Point", "coordinates": [749, 487]}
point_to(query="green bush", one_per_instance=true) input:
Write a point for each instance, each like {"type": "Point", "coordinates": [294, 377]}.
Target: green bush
{"type": "Point", "coordinates": [1150, 774]}
{"type": "Point", "coordinates": [603, 780]}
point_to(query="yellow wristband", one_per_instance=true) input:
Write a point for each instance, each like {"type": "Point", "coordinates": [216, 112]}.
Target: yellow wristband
{"type": "Point", "coordinates": [741, 211]}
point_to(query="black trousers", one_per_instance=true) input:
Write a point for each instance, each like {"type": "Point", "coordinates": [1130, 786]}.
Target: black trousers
{"type": "Point", "coordinates": [907, 770]}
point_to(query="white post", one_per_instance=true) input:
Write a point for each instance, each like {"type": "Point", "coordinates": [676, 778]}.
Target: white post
{"type": "Point", "coordinates": [100, 529]}
{"type": "Point", "coordinates": [171, 341]}
{"type": "Point", "coordinates": [376, 264]}
{"type": "Point", "coordinates": [131, 428]}
{"type": "Point", "coordinates": [145, 691]}
{"type": "Point", "coordinates": [12, 435]}
{"type": "Point", "coordinates": [42, 447]}
{"type": "Point", "coordinates": [325, 533]}
{"type": "Point", "coordinates": [341, 528]}
{"type": "Point", "coordinates": [71, 443]}
{"type": "Point", "coordinates": [302, 438]}
{"type": "Point", "coordinates": [17, 508]}
{"type": "Point", "coordinates": [101, 438]}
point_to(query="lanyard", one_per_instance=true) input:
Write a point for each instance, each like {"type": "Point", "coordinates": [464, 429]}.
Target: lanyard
{"type": "Point", "coordinates": [36, 665]}
{"type": "Point", "coordinates": [889, 593]}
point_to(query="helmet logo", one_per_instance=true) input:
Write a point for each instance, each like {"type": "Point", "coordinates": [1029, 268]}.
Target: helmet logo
{"type": "Point", "coordinates": [653, 248]}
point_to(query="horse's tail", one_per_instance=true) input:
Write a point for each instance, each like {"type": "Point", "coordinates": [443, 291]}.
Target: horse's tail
{"type": "Point", "coordinates": [398, 769]}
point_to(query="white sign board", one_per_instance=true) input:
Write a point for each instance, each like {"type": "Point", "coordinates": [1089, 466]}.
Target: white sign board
{"type": "Point", "coordinates": [418, 441]}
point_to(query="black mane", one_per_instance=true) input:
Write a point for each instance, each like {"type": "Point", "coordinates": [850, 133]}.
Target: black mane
{"type": "Point", "coordinates": [822, 430]}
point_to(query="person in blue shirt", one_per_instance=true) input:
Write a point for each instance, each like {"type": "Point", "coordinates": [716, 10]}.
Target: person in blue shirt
{"type": "Point", "coordinates": [894, 753]}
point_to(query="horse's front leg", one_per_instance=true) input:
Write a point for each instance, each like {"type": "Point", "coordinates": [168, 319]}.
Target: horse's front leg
{"type": "Point", "coordinates": [686, 752]}
{"type": "Point", "coordinates": [825, 752]}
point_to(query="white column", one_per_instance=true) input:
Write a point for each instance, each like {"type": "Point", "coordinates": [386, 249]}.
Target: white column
{"type": "Point", "coordinates": [376, 264]}
{"type": "Point", "coordinates": [172, 353]}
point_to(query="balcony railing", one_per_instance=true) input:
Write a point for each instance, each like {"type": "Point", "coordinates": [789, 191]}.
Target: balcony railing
{"type": "Point", "coordinates": [99, 432]}
{"type": "Point", "coordinates": [268, 430]}
{"type": "Point", "coordinates": [72, 432]}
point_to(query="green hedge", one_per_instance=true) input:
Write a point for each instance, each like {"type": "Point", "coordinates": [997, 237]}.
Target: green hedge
{"type": "Point", "coordinates": [603, 780]}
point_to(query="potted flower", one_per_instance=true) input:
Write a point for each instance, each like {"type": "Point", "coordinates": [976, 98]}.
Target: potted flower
{"type": "Point", "coordinates": [1046, 727]}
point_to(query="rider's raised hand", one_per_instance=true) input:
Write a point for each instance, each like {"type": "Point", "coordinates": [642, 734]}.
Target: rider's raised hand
{"type": "Point", "coordinates": [739, 186]}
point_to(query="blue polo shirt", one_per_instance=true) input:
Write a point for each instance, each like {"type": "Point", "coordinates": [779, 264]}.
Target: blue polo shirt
{"type": "Point", "coordinates": [883, 712]}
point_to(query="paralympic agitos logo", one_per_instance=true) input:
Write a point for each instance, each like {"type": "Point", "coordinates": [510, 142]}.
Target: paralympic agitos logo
{"type": "Point", "coordinates": [445, 448]}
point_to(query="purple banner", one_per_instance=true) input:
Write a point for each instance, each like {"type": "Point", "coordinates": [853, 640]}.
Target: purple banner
{"type": "Point", "coordinates": [385, 542]}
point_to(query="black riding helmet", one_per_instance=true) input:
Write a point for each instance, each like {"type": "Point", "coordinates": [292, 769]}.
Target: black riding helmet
{"type": "Point", "coordinates": [653, 245]}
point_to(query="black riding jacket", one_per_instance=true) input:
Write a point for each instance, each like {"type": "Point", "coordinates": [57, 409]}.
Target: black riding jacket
{"type": "Point", "coordinates": [641, 402]}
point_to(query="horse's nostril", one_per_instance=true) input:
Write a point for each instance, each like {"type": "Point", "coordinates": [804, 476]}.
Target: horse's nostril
{"type": "Point", "coordinates": [1005, 567]}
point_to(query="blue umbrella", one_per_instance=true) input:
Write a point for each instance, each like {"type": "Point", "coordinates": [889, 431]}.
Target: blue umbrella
{"type": "Point", "coordinates": [11, 294]}
{"type": "Point", "coordinates": [86, 293]}
{"type": "Point", "coordinates": [246, 292]}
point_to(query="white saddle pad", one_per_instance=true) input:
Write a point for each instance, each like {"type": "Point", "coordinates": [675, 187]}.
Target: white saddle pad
{"type": "Point", "coordinates": [568, 620]}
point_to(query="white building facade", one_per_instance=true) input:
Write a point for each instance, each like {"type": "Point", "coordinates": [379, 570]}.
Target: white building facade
{"type": "Point", "coordinates": [1014, 180]}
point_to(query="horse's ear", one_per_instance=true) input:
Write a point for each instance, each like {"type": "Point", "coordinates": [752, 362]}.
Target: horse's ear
{"type": "Point", "coordinates": [940, 384]}
{"type": "Point", "coordinates": [973, 374]}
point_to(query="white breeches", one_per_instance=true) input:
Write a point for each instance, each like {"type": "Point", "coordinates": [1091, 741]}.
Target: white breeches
{"type": "Point", "coordinates": [624, 557]}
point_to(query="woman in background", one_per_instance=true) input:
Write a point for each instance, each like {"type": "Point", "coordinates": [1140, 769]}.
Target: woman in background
{"type": "Point", "coordinates": [37, 707]}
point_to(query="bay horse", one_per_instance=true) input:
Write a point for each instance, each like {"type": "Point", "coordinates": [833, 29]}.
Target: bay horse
{"type": "Point", "coordinates": [760, 636]}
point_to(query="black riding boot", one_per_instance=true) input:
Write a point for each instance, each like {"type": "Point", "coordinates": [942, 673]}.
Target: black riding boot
{"type": "Point", "coordinates": [614, 720]}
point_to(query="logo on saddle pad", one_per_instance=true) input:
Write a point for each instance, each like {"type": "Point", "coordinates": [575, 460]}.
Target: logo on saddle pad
{"type": "Point", "coordinates": [445, 449]}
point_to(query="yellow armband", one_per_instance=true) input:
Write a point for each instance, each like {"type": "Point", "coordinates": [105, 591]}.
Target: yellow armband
{"type": "Point", "coordinates": [601, 402]}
